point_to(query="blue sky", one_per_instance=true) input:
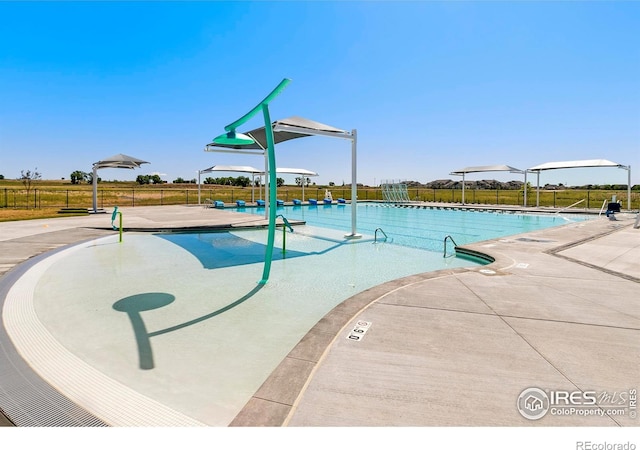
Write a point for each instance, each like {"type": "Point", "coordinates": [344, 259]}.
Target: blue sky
{"type": "Point", "coordinates": [431, 87]}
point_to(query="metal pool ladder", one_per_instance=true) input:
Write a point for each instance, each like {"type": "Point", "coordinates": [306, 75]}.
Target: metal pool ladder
{"type": "Point", "coordinates": [375, 235]}
{"type": "Point", "coordinates": [445, 246]}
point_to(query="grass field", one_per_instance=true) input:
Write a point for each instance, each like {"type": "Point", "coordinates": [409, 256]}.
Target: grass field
{"type": "Point", "coordinates": [47, 198]}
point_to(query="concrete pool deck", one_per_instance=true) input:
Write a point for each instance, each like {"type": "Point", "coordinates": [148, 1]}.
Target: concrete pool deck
{"type": "Point", "coordinates": [559, 309]}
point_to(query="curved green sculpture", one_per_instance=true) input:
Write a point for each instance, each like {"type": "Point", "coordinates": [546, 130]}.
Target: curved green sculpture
{"type": "Point", "coordinates": [232, 137]}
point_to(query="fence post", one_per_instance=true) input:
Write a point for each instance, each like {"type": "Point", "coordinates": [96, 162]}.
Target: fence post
{"type": "Point", "coordinates": [554, 199]}
{"type": "Point", "coordinates": [588, 195]}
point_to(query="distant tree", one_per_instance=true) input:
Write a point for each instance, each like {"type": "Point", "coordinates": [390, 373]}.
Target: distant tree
{"type": "Point", "coordinates": [78, 176]}
{"type": "Point", "coordinates": [89, 178]}
{"type": "Point", "coordinates": [28, 178]}
{"type": "Point", "coordinates": [331, 183]}
{"type": "Point", "coordinates": [307, 181]}
{"type": "Point", "coordinates": [209, 180]}
{"type": "Point", "coordinates": [143, 179]}
{"type": "Point", "coordinates": [183, 181]}
{"type": "Point", "coordinates": [242, 181]}
{"type": "Point", "coordinates": [155, 179]}
{"type": "Point", "coordinates": [1, 177]}
{"type": "Point", "coordinates": [279, 182]}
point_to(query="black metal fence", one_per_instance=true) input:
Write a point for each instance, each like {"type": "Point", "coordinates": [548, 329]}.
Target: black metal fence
{"type": "Point", "coordinates": [109, 197]}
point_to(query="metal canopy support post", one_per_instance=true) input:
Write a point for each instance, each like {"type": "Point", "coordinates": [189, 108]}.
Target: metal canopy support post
{"type": "Point", "coordinates": [95, 188]}
{"type": "Point", "coordinates": [628, 187]}
{"type": "Point", "coordinates": [525, 189]}
{"type": "Point", "coordinates": [354, 186]}
{"type": "Point", "coordinates": [463, 188]}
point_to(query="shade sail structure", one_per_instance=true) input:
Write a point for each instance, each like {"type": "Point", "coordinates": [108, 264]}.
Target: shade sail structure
{"type": "Point", "coordinates": [577, 164]}
{"type": "Point", "coordinates": [495, 168]}
{"type": "Point", "coordinates": [302, 172]}
{"type": "Point", "coordinates": [298, 127]}
{"type": "Point", "coordinates": [222, 168]}
{"type": "Point", "coordinates": [584, 163]}
{"type": "Point", "coordinates": [293, 128]}
{"type": "Point", "coordinates": [118, 161]}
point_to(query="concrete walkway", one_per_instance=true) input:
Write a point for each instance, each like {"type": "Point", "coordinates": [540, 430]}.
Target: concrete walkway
{"type": "Point", "coordinates": [559, 309]}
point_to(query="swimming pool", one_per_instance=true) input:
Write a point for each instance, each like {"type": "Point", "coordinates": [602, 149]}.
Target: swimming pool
{"type": "Point", "coordinates": [180, 318]}
{"type": "Point", "coordinates": [422, 228]}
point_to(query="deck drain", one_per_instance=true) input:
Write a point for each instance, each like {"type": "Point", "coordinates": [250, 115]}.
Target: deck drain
{"type": "Point", "coordinates": [488, 271]}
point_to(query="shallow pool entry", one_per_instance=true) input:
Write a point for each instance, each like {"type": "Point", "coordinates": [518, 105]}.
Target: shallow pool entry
{"type": "Point", "coordinates": [216, 250]}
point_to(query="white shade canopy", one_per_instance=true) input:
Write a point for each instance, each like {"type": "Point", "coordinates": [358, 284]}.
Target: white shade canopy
{"type": "Point", "coordinates": [497, 168]}
{"type": "Point", "coordinates": [221, 168]}
{"type": "Point", "coordinates": [581, 164]}
{"type": "Point", "coordinates": [293, 128]}
{"type": "Point", "coordinates": [304, 172]}
{"type": "Point", "coordinates": [118, 161]}
{"type": "Point", "coordinates": [494, 168]}
{"type": "Point", "coordinates": [576, 164]}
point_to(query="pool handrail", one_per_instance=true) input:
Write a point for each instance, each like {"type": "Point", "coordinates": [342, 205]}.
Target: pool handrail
{"type": "Point", "coordinates": [375, 235]}
{"type": "Point", "coordinates": [286, 222]}
{"type": "Point", "coordinates": [445, 245]}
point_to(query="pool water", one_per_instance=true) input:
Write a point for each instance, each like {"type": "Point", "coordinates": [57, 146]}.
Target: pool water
{"type": "Point", "coordinates": [418, 227]}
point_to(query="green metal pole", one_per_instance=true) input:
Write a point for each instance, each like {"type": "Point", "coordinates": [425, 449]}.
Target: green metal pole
{"type": "Point", "coordinates": [120, 214]}
{"type": "Point", "coordinates": [264, 107]}
{"type": "Point", "coordinates": [272, 195]}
